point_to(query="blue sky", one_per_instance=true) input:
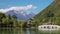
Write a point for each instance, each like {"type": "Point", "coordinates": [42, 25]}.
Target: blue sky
{"type": "Point", "coordinates": [40, 4]}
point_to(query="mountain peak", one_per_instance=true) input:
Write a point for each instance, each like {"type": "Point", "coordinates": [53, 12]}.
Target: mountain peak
{"type": "Point", "coordinates": [21, 15]}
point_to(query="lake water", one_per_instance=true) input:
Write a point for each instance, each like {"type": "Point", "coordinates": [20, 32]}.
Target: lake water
{"type": "Point", "coordinates": [26, 31]}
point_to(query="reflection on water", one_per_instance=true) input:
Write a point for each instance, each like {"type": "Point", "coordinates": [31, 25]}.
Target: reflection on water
{"type": "Point", "coordinates": [49, 32]}
{"type": "Point", "coordinates": [25, 31]}
{"type": "Point", "coordinates": [30, 31]}
{"type": "Point", "coordinates": [6, 31]}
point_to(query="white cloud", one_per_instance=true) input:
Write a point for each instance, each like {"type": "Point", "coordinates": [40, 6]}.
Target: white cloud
{"type": "Point", "coordinates": [19, 8]}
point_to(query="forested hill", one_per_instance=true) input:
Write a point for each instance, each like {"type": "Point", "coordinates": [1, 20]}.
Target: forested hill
{"type": "Point", "coordinates": [50, 14]}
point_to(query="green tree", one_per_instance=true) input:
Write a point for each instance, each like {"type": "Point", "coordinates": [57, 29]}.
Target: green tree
{"type": "Point", "coordinates": [14, 20]}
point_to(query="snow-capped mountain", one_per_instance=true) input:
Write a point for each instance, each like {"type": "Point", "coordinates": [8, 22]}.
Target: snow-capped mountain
{"type": "Point", "coordinates": [20, 11]}
{"type": "Point", "coordinates": [21, 15]}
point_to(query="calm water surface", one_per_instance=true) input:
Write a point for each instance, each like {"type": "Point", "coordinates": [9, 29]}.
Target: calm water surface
{"type": "Point", "coordinates": [26, 31]}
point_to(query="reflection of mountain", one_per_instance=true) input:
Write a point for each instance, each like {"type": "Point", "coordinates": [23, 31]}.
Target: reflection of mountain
{"type": "Point", "coordinates": [50, 14]}
{"type": "Point", "coordinates": [21, 15]}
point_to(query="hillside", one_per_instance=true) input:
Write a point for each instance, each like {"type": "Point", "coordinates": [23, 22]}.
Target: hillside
{"type": "Point", "coordinates": [50, 14]}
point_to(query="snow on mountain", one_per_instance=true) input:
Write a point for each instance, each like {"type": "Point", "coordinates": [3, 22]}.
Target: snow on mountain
{"type": "Point", "coordinates": [20, 11]}
{"type": "Point", "coordinates": [21, 15]}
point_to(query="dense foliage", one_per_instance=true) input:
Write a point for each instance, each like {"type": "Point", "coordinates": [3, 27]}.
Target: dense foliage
{"type": "Point", "coordinates": [7, 21]}
{"type": "Point", "coordinates": [50, 14]}
{"type": "Point", "coordinates": [12, 21]}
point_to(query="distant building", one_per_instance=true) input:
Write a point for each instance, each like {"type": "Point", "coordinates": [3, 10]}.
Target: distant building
{"type": "Point", "coordinates": [30, 22]}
